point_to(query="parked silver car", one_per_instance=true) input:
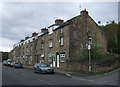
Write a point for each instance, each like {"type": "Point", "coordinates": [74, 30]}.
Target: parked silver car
{"type": "Point", "coordinates": [43, 68]}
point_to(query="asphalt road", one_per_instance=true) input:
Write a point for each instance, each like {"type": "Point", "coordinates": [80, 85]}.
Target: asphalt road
{"type": "Point", "coordinates": [12, 76]}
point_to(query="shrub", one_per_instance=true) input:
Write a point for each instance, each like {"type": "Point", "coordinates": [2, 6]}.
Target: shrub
{"type": "Point", "coordinates": [96, 53]}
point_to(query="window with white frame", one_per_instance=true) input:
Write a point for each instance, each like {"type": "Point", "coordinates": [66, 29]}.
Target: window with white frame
{"type": "Point", "coordinates": [61, 40]}
{"type": "Point", "coordinates": [61, 30]}
{"type": "Point", "coordinates": [42, 38]}
{"type": "Point", "coordinates": [31, 48]}
{"type": "Point", "coordinates": [50, 58]}
{"type": "Point", "coordinates": [50, 43]}
{"type": "Point", "coordinates": [30, 58]}
{"type": "Point", "coordinates": [62, 57]}
{"type": "Point", "coordinates": [42, 46]}
{"type": "Point", "coordinates": [50, 30]}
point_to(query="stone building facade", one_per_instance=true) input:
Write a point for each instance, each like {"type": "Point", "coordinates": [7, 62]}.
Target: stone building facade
{"type": "Point", "coordinates": [59, 44]}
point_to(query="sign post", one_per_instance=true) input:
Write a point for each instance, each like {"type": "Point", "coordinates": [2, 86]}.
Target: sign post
{"type": "Point", "coordinates": [89, 49]}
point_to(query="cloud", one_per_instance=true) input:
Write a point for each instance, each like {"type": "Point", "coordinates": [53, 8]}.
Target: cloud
{"type": "Point", "coordinates": [6, 44]}
{"type": "Point", "coordinates": [102, 11]}
{"type": "Point", "coordinates": [20, 19]}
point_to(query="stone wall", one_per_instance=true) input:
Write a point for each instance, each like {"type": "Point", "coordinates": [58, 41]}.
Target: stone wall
{"type": "Point", "coordinates": [80, 28]}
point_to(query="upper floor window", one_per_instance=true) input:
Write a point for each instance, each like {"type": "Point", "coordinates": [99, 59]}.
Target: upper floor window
{"type": "Point", "coordinates": [50, 30]}
{"type": "Point", "coordinates": [50, 43]}
{"type": "Point", "coordinates": [42, 46]}
{"type": "Point", "coordinates": [61, 30]}
{"type": "Point", "coordinates": [42, 38]}
{"type": "Point", "coordinates": [31, 48]}
{"type": "Point", "coordinates": [61, 40]}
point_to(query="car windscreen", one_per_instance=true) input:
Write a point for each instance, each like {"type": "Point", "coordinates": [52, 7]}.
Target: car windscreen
{"type": "Point", "coordinates": [43, 65]}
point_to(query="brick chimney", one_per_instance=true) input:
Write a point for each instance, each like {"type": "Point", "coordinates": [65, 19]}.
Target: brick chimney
{"type": "Point", "coordinates": [59, 21]}
{"type": "Point", "coordinates": [44, 30]}
{"type": "Point", "coordinates": [21, 40]}
{"type": "Point", "coordinates": [34, 34]}
{"type": "Point", "coordinates": [84, 12]}
{"type": "Point", "coordinates": [27, 37]}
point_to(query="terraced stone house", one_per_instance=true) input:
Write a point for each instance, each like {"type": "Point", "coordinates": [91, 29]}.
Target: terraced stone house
{"type": "Point", "coordinates": [59, 44]}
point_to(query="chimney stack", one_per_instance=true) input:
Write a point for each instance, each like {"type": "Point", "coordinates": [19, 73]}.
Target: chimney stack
{"type": "Point", "coordinates": [43, 30]}
{"type": "Point", "coordinates": [21, 40]}
{"type": "Point", "coordinates": [59, 21]}
{"type": "Point", "coordinates": [27, 37]}
{"type": "Point", "coordinates": [34, 34]}
{"type": "Point", "coordinates": [84, 12]}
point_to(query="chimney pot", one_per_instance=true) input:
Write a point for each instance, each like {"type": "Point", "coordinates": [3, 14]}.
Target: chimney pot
{"type": "Point", "coordinates": [21, 40]}
{"type": "Point", "coordinates": [27, 37]}
{"type": "Point", "coordinates": [44, 30]}
{"type": "Point", "coordinates": [84, 12]}
{"type": "Point", "coordinates": [34, 34]}
{"type": "Point", "coordinates": [59, 21]}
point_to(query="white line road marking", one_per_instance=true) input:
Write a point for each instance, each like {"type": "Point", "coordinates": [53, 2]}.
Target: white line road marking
{"type": "Point", "coordinates": [87, 80]}
{"type": "Point", "coordinates": [84, 79]}
{"type": "Point", "coordinates": [48, 83]}
{"type": "Point", "coordinates": [112, 71]}
{"type": "Point", "coordinates": [91, 80]}
{"type": "Point", "coordinates": [25, 75]}
{"type": "Point", "coordinates": [16, 71]}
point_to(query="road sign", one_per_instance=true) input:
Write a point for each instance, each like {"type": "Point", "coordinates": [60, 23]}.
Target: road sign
{"type": "Point", "coordinates": [89, 47]}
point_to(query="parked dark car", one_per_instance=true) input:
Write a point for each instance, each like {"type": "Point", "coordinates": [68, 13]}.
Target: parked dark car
{"type": "Point", "coordinates": [8, 62]}
{"type": "Point", "coordinates": [18, 65]}
{"type": "Point", "coordinates": [12, 63]}
{"type": "Point", "coordinates": [4, 62]}
{"type": "Point", "coordinates": [43, 68]}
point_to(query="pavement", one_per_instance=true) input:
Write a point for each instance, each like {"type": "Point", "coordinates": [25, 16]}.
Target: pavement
{"type": "Point", "coordinates": [67, 73]}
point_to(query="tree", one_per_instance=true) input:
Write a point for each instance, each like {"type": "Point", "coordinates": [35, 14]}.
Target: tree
{"type": "Point", "coordinates": [4, 55]}
{"type": "Point", "coordinates": [112, 33]}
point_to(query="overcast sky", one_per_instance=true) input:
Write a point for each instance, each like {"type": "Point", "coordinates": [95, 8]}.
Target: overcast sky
{"type": "Point", "coordinates": [20, 19]}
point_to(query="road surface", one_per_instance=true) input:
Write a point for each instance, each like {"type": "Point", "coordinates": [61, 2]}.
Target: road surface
{"type": "Point", "coordinates": [22, 76]}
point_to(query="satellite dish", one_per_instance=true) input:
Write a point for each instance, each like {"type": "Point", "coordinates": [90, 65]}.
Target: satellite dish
{"type": "Point", "coordinates": [99, 22]}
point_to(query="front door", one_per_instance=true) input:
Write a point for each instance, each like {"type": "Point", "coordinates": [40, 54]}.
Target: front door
{"type": "Point", "coordinates": [57, 60]}
{"type": "Point", "coordinates": [54, 61]}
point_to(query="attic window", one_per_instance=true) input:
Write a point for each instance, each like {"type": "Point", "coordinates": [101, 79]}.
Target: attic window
{"type": "Point", "coordinates": [61, 30]}
{"type": "Point", "coordinates": [51, 30]}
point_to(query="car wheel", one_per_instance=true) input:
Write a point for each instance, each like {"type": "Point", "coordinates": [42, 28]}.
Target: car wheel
{"type": "Point", "coordinates": [14, 66]}
{"type": "Point", "coordinates": [35, 71]}
{"type": "Point", "coordinates": [40, 71]}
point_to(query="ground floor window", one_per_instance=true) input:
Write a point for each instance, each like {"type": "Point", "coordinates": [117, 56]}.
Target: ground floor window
{"type": "Point", "coordinates": [62, 57]}
{"type": "Point", "coordinates": [42, 59]}
{"type": "Point", "coordinates": [50, 58]}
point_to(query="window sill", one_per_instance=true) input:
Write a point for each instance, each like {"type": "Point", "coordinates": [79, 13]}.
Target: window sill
{"type": "Point", "coordinates": [61, 45]}
{"type": "Point", "coordinates": [62, 61]}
